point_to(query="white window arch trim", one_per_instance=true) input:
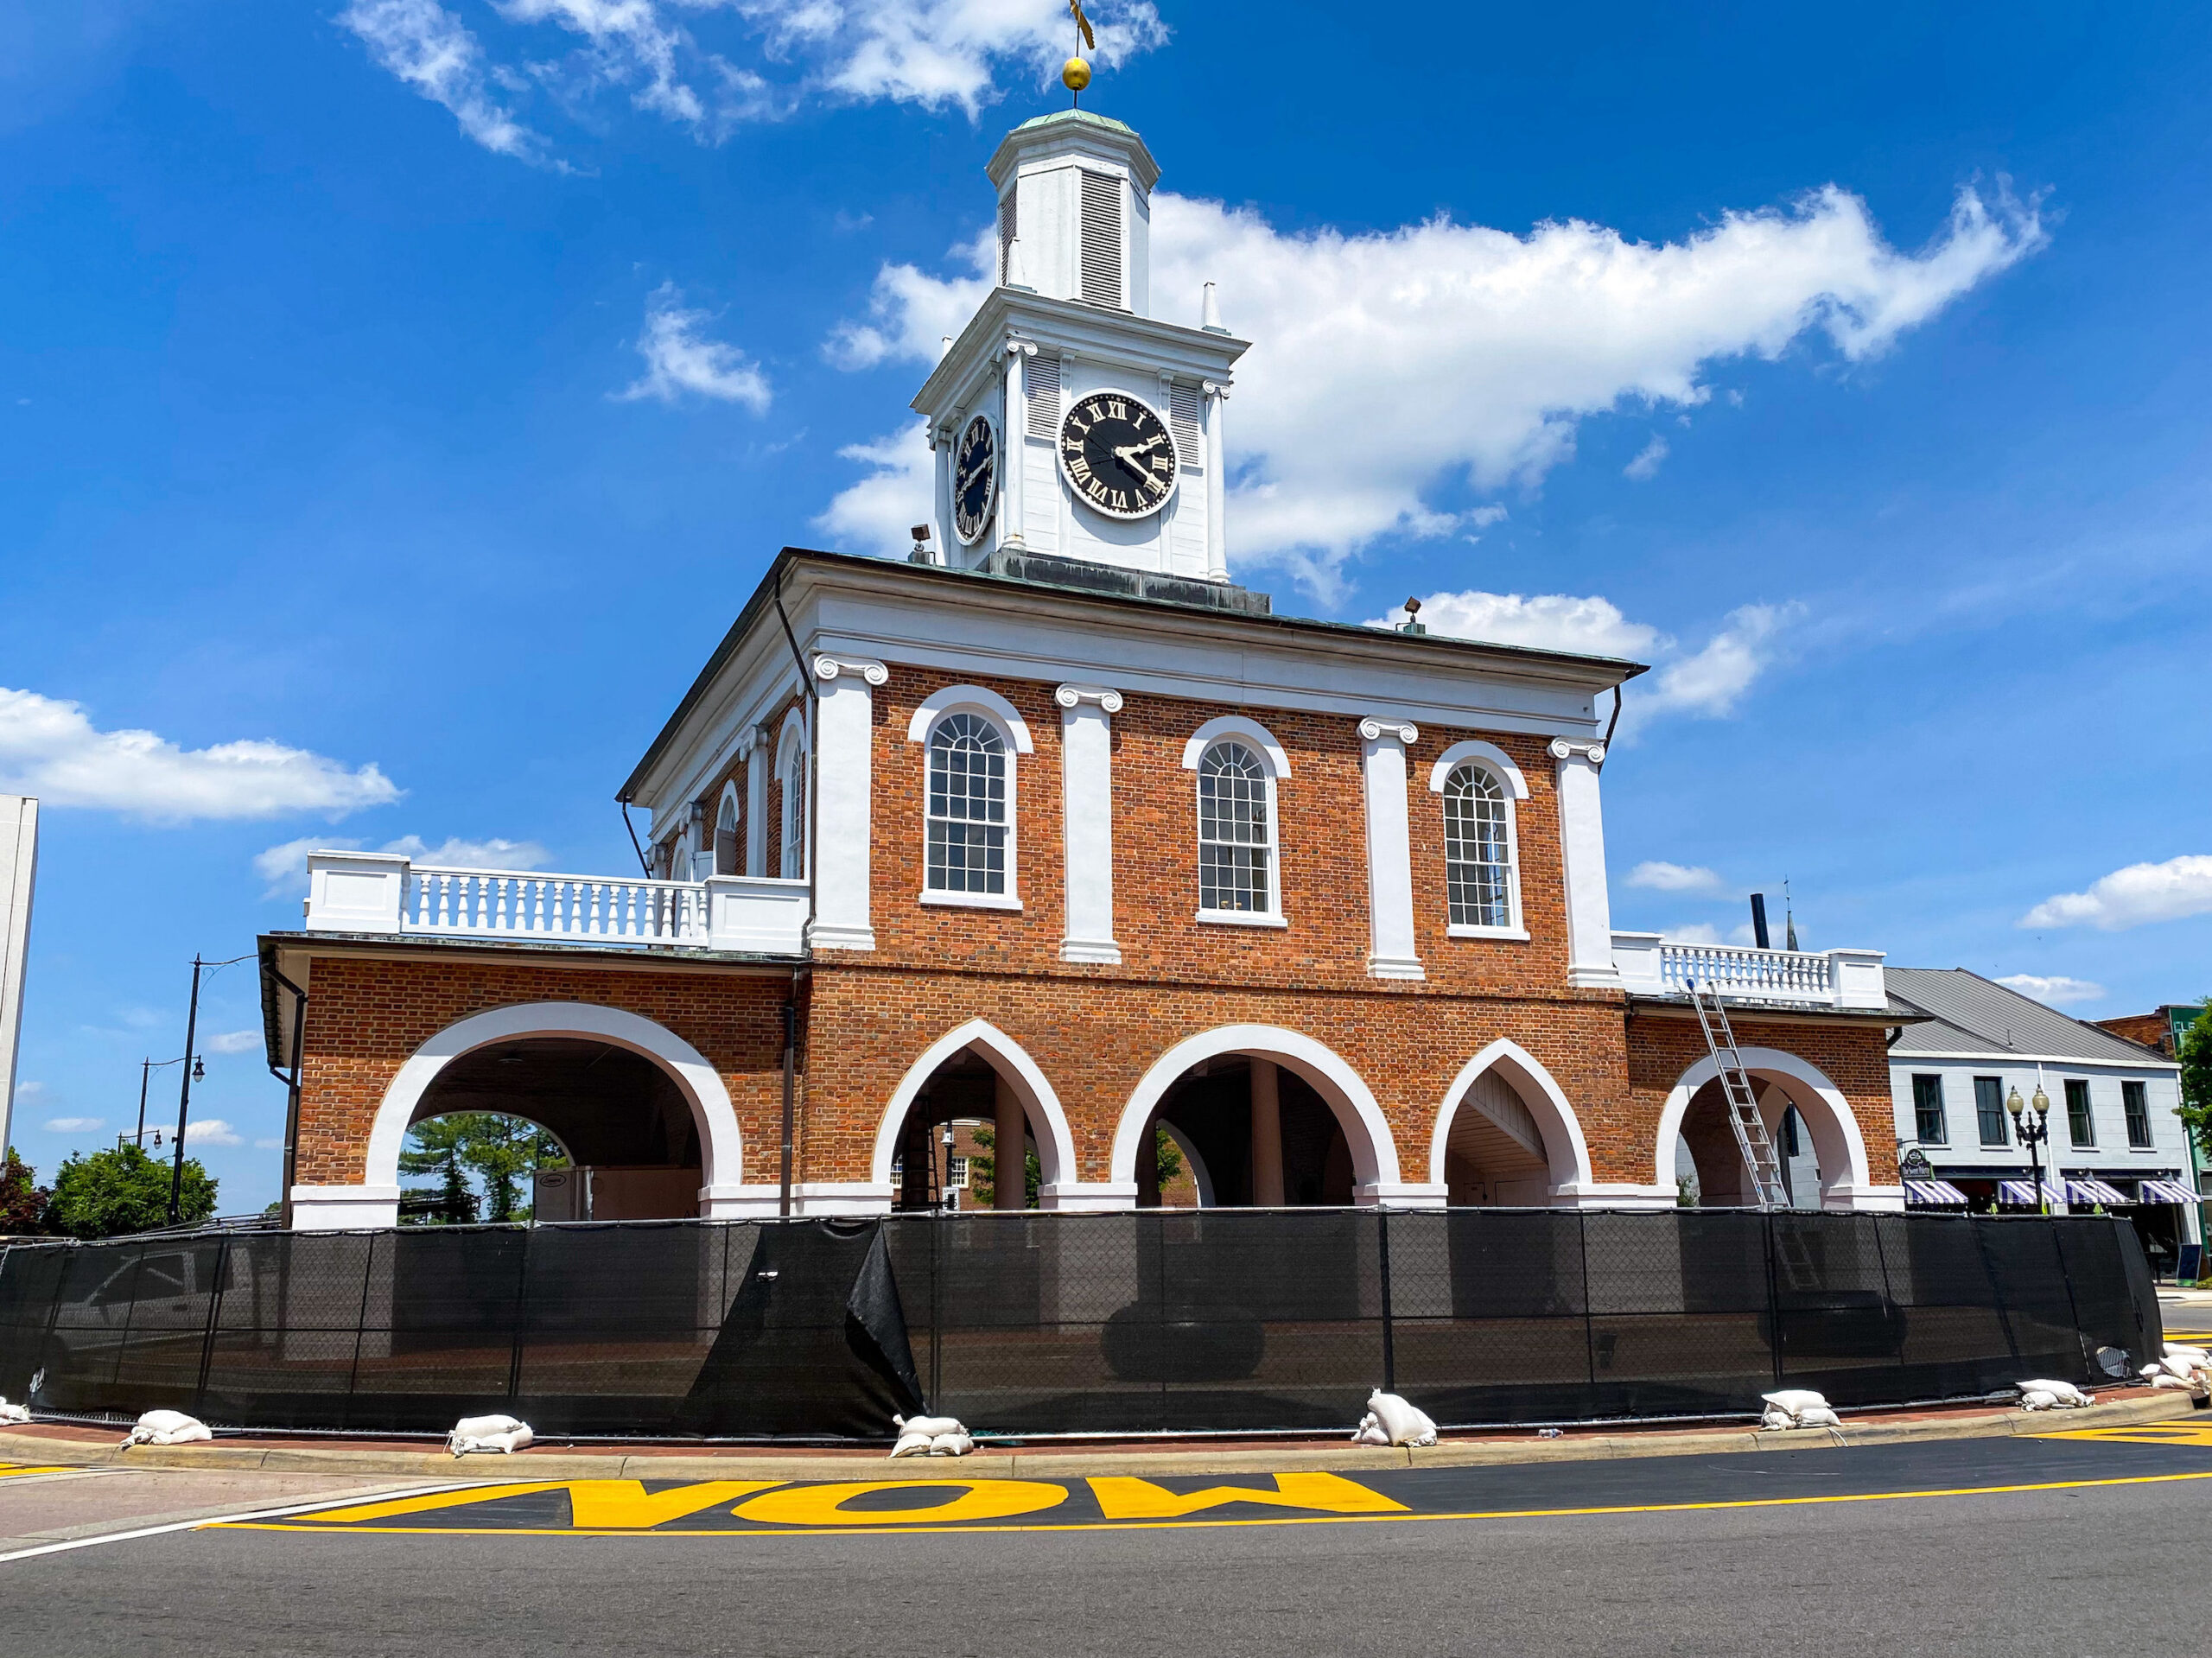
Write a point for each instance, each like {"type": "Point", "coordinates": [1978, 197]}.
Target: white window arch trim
{"type": "Point", "coordinates": [1258, 740]}
{"type": "Point", "coordinates": [730, 810]}
{"type": "Point", "coordinates": [1498, 765]}
{"type": "Point", "coordinates": [791, 746]}
{"type": "Point", "coordinates": [996, 712]}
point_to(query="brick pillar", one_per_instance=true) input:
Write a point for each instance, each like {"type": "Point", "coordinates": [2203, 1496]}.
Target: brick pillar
{"type": "Point", "coordinates": [1266, 1136]}
{"type": "Point", "coordinates": [1011, 1181]}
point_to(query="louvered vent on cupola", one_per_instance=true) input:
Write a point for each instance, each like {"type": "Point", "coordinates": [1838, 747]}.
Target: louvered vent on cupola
{"type": "Point", "coordinates": [1042, 378]}
{"type": "Point", "coordinates": [1183, 411]}
{"type": "Point", "coordinates": [1102, 239]}
{"type": "Point", "coordinates": [1008, 229]}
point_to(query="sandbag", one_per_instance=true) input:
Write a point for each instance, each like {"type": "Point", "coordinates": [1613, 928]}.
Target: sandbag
{"type": "Point", "coordinates": [167, 1427]}
{"type": "Point", "coordinates": [1818, 1416]}
{"type": "Point", "coordinates": [2188, 1354]}
{"type": "Point", "coordinates": [2043, 1394]}
{"type": "Point", "coordinates": [2182, 1367]}
{"type": "Point", "coordinates": [912, 1445]}
{"type": "Point", "coordinates": [2036, 1399]}
{"type": "Point", "coordinates": [1775, 1418]}
{"type": "Point", "coordinates": [2160, 1379]}
{"type": "Point", "coordinates": [13, 1413]}
{"type": "Point", "coordinates": [951, 1445]}
{"type": "Point", "coordinates": [932, 1425]}
{"type": "Point", "coordinates": [1404, 1423]}
{"type": "Point", "coordinates": [1371, 1432]}
{"type": "Point", "coordinates": [505, 1434]}
{"type": "Point", "coordinates": [1796, 1401]}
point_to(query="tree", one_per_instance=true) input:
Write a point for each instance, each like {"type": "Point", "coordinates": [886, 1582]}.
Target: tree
{"type": "Point", "coordinates": [2195, 1055]}
{"type": "Point", "coordinates": [110, 1193]}
{"type": "Point", "coordinates": [499, 1151]}
{"type": "Point", "coordinates": [22, 1201]}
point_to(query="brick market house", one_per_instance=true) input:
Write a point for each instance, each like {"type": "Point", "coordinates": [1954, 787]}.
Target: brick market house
{"type": "Point", "coordinates": [1056, 827]}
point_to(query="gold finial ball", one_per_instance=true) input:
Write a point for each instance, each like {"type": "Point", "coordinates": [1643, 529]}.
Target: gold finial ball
{"type": "Point", "coordinates": [1075, 74]}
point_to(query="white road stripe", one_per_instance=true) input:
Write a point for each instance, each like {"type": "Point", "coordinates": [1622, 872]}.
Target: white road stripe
{"type": "Point", "coordinates": [219, 1519]}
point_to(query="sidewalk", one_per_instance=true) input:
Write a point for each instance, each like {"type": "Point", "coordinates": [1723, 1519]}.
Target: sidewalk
{"type": "Point", "coordinates": [63, 1444]}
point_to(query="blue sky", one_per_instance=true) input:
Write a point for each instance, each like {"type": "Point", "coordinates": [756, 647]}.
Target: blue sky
{"type": "Point", "coordinates": [422, 386]}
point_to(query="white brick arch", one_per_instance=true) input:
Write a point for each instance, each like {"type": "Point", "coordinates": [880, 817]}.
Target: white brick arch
{"type": "Point", "coordinates": [1374, 1154]}
{"type": "Point", "coordinates": [721, 1145]}
{"type": "Point", "coordinates": [1056, 1166]}
{"type": "Point", "coordinates": [1566, 1151]}
{"type": "Point", "coordinates": [1838, 1145]}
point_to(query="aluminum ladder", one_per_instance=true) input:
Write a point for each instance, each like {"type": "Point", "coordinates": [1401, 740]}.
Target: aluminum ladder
{"type": "Point", "coordinates": [1742, 1099]}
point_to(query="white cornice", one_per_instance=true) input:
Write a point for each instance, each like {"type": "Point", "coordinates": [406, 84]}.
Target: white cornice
{"type": "Point", "coordinates": [1072, 327]}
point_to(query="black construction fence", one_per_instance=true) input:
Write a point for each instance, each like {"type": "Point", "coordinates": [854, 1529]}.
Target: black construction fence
{"type": "Point", "coordinates": [1142, 1322]}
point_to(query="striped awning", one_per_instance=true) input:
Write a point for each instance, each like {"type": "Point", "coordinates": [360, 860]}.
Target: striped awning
{"type": "Point", "coordinates": [2081, 1189]}
{"type": "Point", "coordinates": [2166, 1191]}
{"type": "Point", "coordinates": [1935, 1192]}
{"type": "Point", "coordinates": [2023, 1192]}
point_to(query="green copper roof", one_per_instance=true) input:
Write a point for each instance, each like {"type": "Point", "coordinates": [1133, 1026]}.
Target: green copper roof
{"type": "Point", "coordinates": [1077, 118]}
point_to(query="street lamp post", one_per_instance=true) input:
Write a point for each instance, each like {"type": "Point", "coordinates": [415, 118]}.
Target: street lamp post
{"type": "Point", "coordinates": [2032, 1132]}
{"type": "Point", "coordinates": [146, 1069]}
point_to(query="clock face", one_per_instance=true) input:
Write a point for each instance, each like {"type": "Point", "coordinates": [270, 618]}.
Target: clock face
{"type": "Point", "coordinates": [1117, 456]}
{"type": "Point", "coordinates": [975, 480]}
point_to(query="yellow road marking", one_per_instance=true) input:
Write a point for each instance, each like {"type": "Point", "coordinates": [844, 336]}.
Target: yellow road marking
{"type": "Point", "coordinates": [1181, 1525]}
{"type": "Point", "coordinates": [2146, 1433]}
{"type": "Point", "coordinates": [980, 1499]}
{"type": "Point", "coordinates": [625, 1505]}
{"type": "Point", "coordinates": [435, 1500]}
{"type": "Point", "coordinates": [1123, 1498]}
{"type": "Point", "coordinates": [18, 1471]}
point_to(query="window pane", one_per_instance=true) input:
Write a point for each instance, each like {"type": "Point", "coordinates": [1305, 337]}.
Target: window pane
{"type": "Point", "coordinates": [1233, 839]}
{"type": "Point", "coordinates": [2081, 1126]}
{"type": "Point", "coordinates": [1989, 1109]}
{"type": "Point", "coordinates": [1928, 1111]}
{"type": "Point", "coordinates": [967, 814]}
{"type": "Point", "coordinates": [1478, 868]}
{"type": "Point", "coordinates": [2135, 1098]}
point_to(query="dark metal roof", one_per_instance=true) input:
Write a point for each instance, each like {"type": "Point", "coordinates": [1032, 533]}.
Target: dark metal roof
{"type": "Point", "coordinates": [1967, 1014]}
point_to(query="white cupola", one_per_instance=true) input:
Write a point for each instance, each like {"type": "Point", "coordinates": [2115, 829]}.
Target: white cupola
{"type": "Point", "coordinates": [1075, 195]}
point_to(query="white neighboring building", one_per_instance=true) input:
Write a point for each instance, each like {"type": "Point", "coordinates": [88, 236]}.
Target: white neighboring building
{"type": "Point", "coordinates": [2115, 1139]}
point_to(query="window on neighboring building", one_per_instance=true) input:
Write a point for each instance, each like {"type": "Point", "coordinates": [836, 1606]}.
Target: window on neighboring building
{"type": "Point", "coordinates": [1928, 1111]}
{"type": "Point", "coordinates": [793, 861]}
{"type": "Point", "coordinates": [1236, 831]}
{"type": "Point", "coordinates": [2081, 1126]}
{"type": "Point", "coordinates": [1989, 1109]}
{"type": "Point", "coordinates": [956, 1171]}
{"type": "Point", "coordinates": [1477, 850]}
{"type": "Point", "coordinates": [728, 855]}
{"type": "Point", "coordinates": [2136, 1099]}
{"type": "Point", "coordinates": [966, 810]}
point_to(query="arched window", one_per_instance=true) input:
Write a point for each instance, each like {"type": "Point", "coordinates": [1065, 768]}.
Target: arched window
{"type": "Point", "coordinates": [968, 811]}
{"type": "Point", "coordinates": [1237, 838]}
{"type": "Point", "coordinates": [794, 815]}
{"type": "Point", "coordinates": [1477, 849]}
{"type": "Point", "coordinates": [729, 853]}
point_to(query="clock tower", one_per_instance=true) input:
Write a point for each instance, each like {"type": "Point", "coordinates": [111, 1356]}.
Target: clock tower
{"type": "Point", "coordinates": [1070, 421]}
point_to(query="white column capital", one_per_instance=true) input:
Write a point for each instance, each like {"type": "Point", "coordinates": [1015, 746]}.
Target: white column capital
{"type": "Point", "coordinates": [1218, 390]}
{"type": "Point", "coordinates": [1016, 345]}
{"type": "Point", "coordinates": [1372, 729]}
{"type": "Point", "coordinates": [1103, 696]}
{"type": "Point", "coordinates": [828, 668]}
{"type": "Point", "coordinates": [1563, 748]}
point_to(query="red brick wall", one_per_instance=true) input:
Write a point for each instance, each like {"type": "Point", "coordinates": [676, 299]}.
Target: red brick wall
{"type": "Point", "coordinates": [1321, 810]}
{"type": "Point", "coordinates": [2151, 1030]}
{"type": "Point", "coordinates": [365, 1017]}
{"type": "Point", "coordinates": [1855, 1057]}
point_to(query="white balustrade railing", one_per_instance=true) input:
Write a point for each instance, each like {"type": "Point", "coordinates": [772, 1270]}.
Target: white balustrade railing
{"type": "Point", "coordinates": [569, 909]}
{"type": "Point", "coordinates": [383, 893]}
{"type": "Point", "coordinates": [1849, 979]}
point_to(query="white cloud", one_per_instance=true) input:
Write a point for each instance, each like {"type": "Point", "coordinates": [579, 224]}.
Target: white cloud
{"type": "Point", "coordinates": [1709, 681]}
{"type": "Point", "coordinates": [760, 59]}
{"type": "Point", "coordinates": [679, 358]}
{"type": "Point", "coordinates": [234, 1042]}
{"type": "Point", "coordinates": [211, 1131]}
{"type": "Point", "coordinates": [74, 1125]}
{"type": "Point", "coordinates": [1645, 467]}
{"type": "Point", "coordinates": [430, 49]}
{"type": "Point", "coordinates": [29, 1090]}
{"type": "Point", "coordinates": [1386, 365]}
{"type": "Point", "coordinates": [49, 748]}
{"type": "Point", "coordinates": [1699, 932]}
{"type": "Point", "coordinates": [2058, 990]}
{"type": "Point", "coordinates": [285, 867]}
{"type": "Point", "coordinates": [1673, 878]}
{"type": "Point", "coordinates": [2130, 897]}
{"type": "Point", "coordinates": [269, 1145]}
{"type": "Point", "coordinates": [874, 514]}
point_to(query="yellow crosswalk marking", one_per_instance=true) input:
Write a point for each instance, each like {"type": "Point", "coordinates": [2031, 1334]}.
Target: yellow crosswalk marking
{"type": "Point", "coordinates": [361, 1513]}
{"type": "Point", "coordinates": [2147, 1433]}
{"type": "Point", "coordinates": [625, 1505]}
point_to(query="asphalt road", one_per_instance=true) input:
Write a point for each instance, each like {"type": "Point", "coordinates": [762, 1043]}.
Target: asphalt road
{"type": "Point", "coordinates": [1819, 1551]}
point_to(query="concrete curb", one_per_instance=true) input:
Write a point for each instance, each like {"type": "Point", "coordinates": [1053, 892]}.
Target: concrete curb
{"type": "Point", "coordinates": [1061, 1462]}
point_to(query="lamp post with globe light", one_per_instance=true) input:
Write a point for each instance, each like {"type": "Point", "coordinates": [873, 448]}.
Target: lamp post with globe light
{"type": "Point", "coordinates": [2032, 1131]}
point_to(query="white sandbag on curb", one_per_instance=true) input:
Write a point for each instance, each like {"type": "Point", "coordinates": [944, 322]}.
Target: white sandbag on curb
{"type": "Point", "coordinates": [912, 1445]}
{"type": "Point", "coordinates": [13, 1413]}
{"type": "Point", "coordinates": [2181, 1366]}
{"type": "Point", "coordinates": [1371, 1432]}
{"type": "Point", "coordinates": [951, 1445]}
{"type": "Point", "coordinates": [2189, 1355]}
{"type": "Point", "coordinates": [1789, 1407]}
{"type": "Point", "coordinates": [1402, 1422]}
{"type": "Point", "coordinates": [931, 1426]}
{"type": "Point", "coordinates": [2041, 1394]}
{"type": "Point", "coordinates": [918, 1436]}
{"type": "Point", "coordinates": [167, 1427]}
{"type": "Point", "coordinates": [2160, 1379]}
{"type": "Point", "coordinates": [505, 1434]}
